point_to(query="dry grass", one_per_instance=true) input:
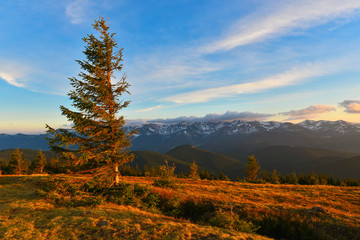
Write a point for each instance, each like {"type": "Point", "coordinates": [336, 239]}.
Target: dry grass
{"type": "Point", "coordinates": [25, 215]}
{"type": "Point", "coordinates": [342, 203]}
{"type": "Point", "coordinates": [290, 204]}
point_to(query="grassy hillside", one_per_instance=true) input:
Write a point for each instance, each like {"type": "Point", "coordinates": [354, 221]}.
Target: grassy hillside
{"type": "Point", "coordinates": [214, 162]}
{"type": "Point", "coordinates": [202, 157]}
{"type": "Point", "coordinates": [349, 167]}
{"type": "Point", "coordinates": [281, 211]}
{"type": "Point", "coordinates": [29, 153]}
{"type": "Point", "coordinates": [183, 156]}
{"type": "Point", "coordinates": [155, 159]}
{"type": "Point", "coordinates": [25, 215]}
{"type": "Point", "coordinates": [246, 143]}
{"type": "Point", "coordinates": [286, 159]}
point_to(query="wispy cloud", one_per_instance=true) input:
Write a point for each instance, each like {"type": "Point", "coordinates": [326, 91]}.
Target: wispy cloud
{"type": "Point", "coordinates": [13, 73]}
{"type": "Point", "coordinates": [8, 77]}
{"type": "Point", "coordinates": [149, 109]}
{"type": "Point", "coordinates": [169, 69]}
{"type": "Point", "coordinates": [308, 112]}
{"type": "Point", "coordinates": [351, 106]}
{"type": "Point", "coordinates": [287, 78]}
{"type": "Point", "coordinates": [77, 10]}
{"type": "Point", "coordinates": [282, 17]}
{"type": "Point", "coordinates": [213, 117]}
{"type": "Point", "coordinates": [182, 70]}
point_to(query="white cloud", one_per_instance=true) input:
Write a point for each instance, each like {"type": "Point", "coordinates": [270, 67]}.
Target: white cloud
{"type": "Point", "coordinates": [8, 77]}
{"type": "Point", "coordinates": [182, 70]}
{"type": "Point", "coordinates": [351, 106]}
{"type": "Point", "coordinates": [212, 117]}
{"type": "Point", "coordinates": [13, 73]}
{"type": "Point", "coordinates": [308, 112]}
{"type": "Point", "coordinates": [169, 69]}
{"type": "Point", "coordinates": [281, 18]}
{"type": "Point", "coordinates": [280, 80]}
{"type": "Point", "coordinates": [77, 10]}
{"type": "Point", "coordinates": [149, 109]}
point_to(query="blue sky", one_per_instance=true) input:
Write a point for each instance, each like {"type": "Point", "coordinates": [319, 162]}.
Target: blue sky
{"type": "Point", "coordinates": [187, 60]}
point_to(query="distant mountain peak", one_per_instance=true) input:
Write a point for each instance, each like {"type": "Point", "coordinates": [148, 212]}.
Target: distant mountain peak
{"type": "Point", "coordinates": [237, 127]}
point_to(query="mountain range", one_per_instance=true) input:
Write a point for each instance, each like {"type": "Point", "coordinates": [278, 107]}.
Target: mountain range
{"type": "Point", "coordinates": [331, 147]}
{"type": "Point", "coordinates": [236, 137]}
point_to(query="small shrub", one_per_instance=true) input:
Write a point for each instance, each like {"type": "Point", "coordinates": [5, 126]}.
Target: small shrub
{"type": "Point", "coordinates": [135, 195]}
{"type": "Point", "coordinates": [196, 210]}
{"type": "Point", "coordinates": [167, 176]}
{"type": "Point", "coordinates": [231, 220]}
{"type": "Point", "coordinates": [65, 192]}
{"type": "Point", "coordinates": [194, 171]}
{"type": "Point", "coordinates": [171, 183]}
{"type": "Point", "coordinates": [170, 205]}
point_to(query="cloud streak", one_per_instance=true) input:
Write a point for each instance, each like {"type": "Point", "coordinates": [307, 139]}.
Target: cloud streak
{"type": "Point", "coordinates": [149, 109]}
{"type": "Point", "coordinates": [13, 73]}
{"type": "Point", "coordinates": [9, 78]}
{"type": "Point", "coordinates": [308, 112]}
{"type": "Point", "coordinates": [351, 106]}
{"type": "Point", "coordinates": [76, 10]}
{"type": "Point", "coordinates": [283, 17]}
{"type": "Point", "coordinates": [214, 117]}
{"type": "Point", "coordinates": [287, 78]}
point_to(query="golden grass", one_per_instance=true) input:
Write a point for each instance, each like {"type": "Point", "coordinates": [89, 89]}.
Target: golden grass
{"type": "Point", "coordinates": [342, 203]}
{"type": "Point", "coordinates": [279, 207]}
{"type": "Point", "coordinates": [24, 215]}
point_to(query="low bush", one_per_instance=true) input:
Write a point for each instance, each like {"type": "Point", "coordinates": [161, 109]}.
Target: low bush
{"type": "Point", "coordinates": [167, 176]}
{"type": "Point", "coordinates": [231, 220]}
{"type": "Point", "coordinates": [65, 192]}
{"type": "Point", "coordinates": [135, 195]}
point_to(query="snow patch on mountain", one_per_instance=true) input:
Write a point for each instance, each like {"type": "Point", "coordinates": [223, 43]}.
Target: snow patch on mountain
{"type": "Point", "coordinates": [204, 129]}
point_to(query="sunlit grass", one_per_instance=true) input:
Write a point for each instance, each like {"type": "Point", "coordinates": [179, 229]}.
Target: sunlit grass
{"type": "Point", "coordinates": [26, 215]}
{"type": "Point", "coordinates": [294, 203]}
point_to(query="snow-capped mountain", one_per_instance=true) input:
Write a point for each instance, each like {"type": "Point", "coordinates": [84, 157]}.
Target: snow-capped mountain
{"type": "Point", "coordinates": [224, 136]}
{"type": "Point", "coordinates": [239, 127]}
{"type": "Point", "coordinates": [162, 137]}
{"type": "Point", "coordinates": [336, 127]}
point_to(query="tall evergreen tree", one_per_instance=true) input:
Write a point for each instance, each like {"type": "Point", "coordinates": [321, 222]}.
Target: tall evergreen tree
{"type": "Point", "coordinates": [54, 165]}
{"type": "Point", "coordinates": [17, 164]}
{"type": "Point", "coordinates": [97, 138]}
{"type": "Point", "coordinates": [194, 171]}
{"type": "Point", "coordinates": [274, 177]}
{"type": "Point", "coordinates": [293, 178]}
{"type": "Point", "coordinates": [38, 164]}
{"type": "Point", "coordinates": [265, 176]}
{"type": "Point", "coordinates": [252, 168]}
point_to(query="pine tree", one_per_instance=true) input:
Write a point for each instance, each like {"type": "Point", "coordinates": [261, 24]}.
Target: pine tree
{"type": "Point", "coordinates": [4, 166]}
{"type": "Point", "coordinates": [54, 165]}
{"type": "Point", "coordinates": [17, 164]}
{"type": "Point", "coordinates": [223, 177]}
{"type": "Point", "coordinates": [194, 168]}
{"type": "Point", "coordinates": [38, 164]}
{"type": "Point", "coordinates": [204, 174]}
{"type": "Point", "coordinates": [97, 138]}
{"type": "Point", "coordinates": [265, 176]}
{"type": "Point", "coordinates": [313, 178]}
{"type": "Point", "coordinates": [293, 178]}
{"type": "Point", "coordinates": [274, 177]}
{"type": "Point", "coordinates": [252, 169]}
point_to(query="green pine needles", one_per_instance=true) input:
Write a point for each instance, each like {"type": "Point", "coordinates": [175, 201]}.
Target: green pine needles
{"type": "Point", "coordinates": [97, 138]}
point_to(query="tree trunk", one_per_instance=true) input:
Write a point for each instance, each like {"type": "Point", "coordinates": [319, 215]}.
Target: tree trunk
{"type": "Point", "coordinates": [117, 175]}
